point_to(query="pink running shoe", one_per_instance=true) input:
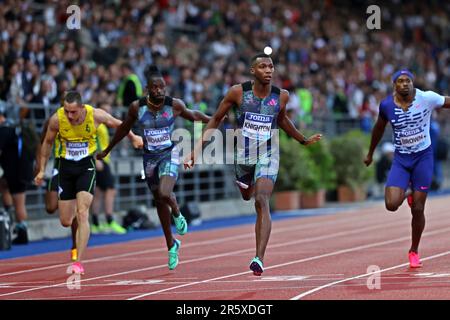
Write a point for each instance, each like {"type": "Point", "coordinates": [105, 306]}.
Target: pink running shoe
{"type": "Point", "coordinates": [410, 200]}
{"type": "Point", "coordinates": [414, 260]}
{"type": "Point", "coordinates": [77, 268]}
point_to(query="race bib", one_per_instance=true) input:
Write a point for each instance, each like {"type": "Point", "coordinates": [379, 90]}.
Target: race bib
{"type": "Point", "coordinates": [411, 138]}
{"type": "Point", "coordinates": [157, 138]}
{"type": "Point", "coordinates": [76, 150]}
{"type": "Point", "coordinates": [257, 126]}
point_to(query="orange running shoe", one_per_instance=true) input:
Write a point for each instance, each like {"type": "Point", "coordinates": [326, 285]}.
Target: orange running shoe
{"type": "Point", "coordinates": [74, 254]}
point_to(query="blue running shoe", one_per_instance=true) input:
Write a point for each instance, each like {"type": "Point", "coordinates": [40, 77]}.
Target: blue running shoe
{"type": "Point", "coordinates": [256, 266]}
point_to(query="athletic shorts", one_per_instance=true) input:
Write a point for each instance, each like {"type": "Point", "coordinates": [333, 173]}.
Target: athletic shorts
{"type": "Point", "coordinates": [164, 163]}
{"type": "Point", "coordinates": [105, 179]}
{"type": "Point", "coordinates": [15, 185]}
{"type": "Point", "coordinates": [265, 167]}
{"type": "Point", "coordinates": [76, 176]}
{"type": "Point", "coordinates": [53, 182]}
{"type": "Point", "coordinates": [415, 168]}
{"type": "Point", "coordinates": [13, 177]}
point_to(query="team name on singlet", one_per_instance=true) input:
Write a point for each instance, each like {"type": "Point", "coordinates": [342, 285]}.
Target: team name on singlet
{"type": "Point", "coordinates": [257, 126]}
{"type": "Point", "coordinates": [77, 150]}
{"type": "Point", "coordinates": [157, 138]}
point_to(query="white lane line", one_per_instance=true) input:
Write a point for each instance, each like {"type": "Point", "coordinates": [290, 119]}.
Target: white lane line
{"type": "Point", "coordinates": [342, 233]}
{"type": "Point", "coordinates": [192, 244]}
{"type": "Point", "coordinates": [328, 285]}
{"type": "Point", "coordinates": [352, 249]}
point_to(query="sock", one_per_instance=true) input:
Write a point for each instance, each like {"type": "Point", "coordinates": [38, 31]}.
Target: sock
{"type": "Point", "coordinates": [21, 225]}
{"type": "Point", "coordinates": [109, 218]}
{"type": "Point", "coordinates": [95, 220]}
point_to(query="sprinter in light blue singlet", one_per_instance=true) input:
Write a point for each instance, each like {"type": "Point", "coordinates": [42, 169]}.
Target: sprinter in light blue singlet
{"type": "Point", "coordinates": [156, 114]}
{"type": "Point", "coordinates": [409, 112]}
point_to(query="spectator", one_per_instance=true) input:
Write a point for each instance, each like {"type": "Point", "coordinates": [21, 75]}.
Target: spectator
{"type": "Point", "coordinates": [130, 88]}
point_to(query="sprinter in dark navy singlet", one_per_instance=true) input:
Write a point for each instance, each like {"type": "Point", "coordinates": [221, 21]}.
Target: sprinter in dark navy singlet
{"type": "Point", "coordinates": [155, 114]}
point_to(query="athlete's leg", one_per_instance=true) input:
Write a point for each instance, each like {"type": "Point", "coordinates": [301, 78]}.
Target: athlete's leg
{"type": "Point", "coordinates": [421, 178]}
{"type": "Point", "coordinates": [74, 228]}
{"type": "Point", "coordinates": [6, 195]}
{"type": "Point", "coordinates": [19, 205]}
{"type": "Point", "coordinates": [67, 211]}
{"type": "Point", "coordinates": [21, 216]}
{"type": "Point", "coordinates": [393, 197]}
{"type": "Point", "coordinates": [163, 211]}
{"type": "Point", "coordinates": [165, 190]}
{"type": "Point", "coordinates": [244, 180]}
{"type": "Point", "coordinates": [84, 200]}
{"type": "Point", "coordinates": [397, 182]}
{"type": "Point", "coordinates": [263, 226]}
{"type": "Point", "coordinates": [418, 219]}
{"type": "Point", "coordinates": [51, 201]}
{"type": "Point", "coordinates": [96, 206]}
{"type": "Point", "coordinates": [110, 195]}
{"type": "Point", "coordinates": [248, 193]}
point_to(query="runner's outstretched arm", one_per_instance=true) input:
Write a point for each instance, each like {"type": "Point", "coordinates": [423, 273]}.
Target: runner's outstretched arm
{"type": "Point", "coordinates": [122, 130]}
{"type": "Point", "coordinates": [46, 148]}
{"type": "Point", "coordinates": [192, 115]}
{"type": "Point", "coordinates": [377, 134]}
{"type": "Point", "coordinates": [286, 124]}
{"type": "Point", "coordinates": [230, 99]}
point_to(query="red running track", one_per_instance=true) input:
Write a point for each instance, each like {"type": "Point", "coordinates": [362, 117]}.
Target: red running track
{"type": "Point", "coordinates": [322, 257]}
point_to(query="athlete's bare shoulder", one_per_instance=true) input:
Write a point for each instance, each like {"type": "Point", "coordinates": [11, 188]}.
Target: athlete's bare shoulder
{"type": "Point", "coordinates": [53, 122]}
{"type": "Point", "coordinates": [284, 96]}
{"type": "Point", "coordinates": [234, 95]}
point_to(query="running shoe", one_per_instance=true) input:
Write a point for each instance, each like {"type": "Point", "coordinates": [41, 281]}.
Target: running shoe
{"type": "Point", "coordinates": [180, 224]}
{"type": "Point", "coordinates": [409, 198]}
{"type": "Point", "coordinates": [256, 266]}
{"type": "Point", "coordinates": [22, 234]}
{"type": "Point", "coordinates": [74, 254]}
{"type": "Point", "coordinates": [95, 229]}
{"type": "Point", "coordinates": [242, 185]}
{"type": "Point", "coordinates": [116, 228]}
{"type": "Point", "coordinates": [77, 268]}
{"type": "Point", "coordinates": [173, 254]}
{"type": "Point", "coordinates": [414, 260]}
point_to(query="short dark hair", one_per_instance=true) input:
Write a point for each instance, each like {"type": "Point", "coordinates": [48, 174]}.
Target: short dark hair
{"type": "Point", "coordinates": [259, 55]}
{"type": "Point", "coordinates": [152, 71]}
{"type": "Point", "coordinates": [73, 96]}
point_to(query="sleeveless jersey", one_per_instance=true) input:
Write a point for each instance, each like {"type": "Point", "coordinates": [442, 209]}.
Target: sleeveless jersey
{"type": "Point", "coordinates": [411, 129]}
{"type": "Point", "coordinates": [156, 127]}
{"type": "Point", "coordinates": [103, 140]}
{"type": "Point", "coordinates": [77, 142]}
{"type": "Point", "coordinates": [257, 118]}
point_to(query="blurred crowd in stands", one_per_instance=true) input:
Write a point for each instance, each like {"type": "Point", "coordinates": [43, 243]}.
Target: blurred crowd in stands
{"type": "Point", "coordinates": [333, 66]}
{"type": "Point", "coordinates": [323, 52]}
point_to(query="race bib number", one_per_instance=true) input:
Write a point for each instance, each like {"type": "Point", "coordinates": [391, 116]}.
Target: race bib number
{"type": "Point", "coordinates": [158, 138]}
{"type": "Point", "coordinates": [257, 126]}
{"type": "Point", "coordinates": [409, 139]}
{"type": "Point", "coordinates": [76, 150]}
